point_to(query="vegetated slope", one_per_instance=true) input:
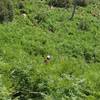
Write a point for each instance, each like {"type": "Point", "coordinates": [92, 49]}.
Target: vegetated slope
{"type": "Point", "coordinates": [74, 46]}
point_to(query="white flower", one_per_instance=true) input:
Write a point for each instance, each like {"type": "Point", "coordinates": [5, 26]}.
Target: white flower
{"type": "Point", "coordinates": [48, 57]}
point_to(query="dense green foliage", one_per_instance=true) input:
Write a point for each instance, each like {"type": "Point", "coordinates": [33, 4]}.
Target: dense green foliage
{"type": "Point", "coordinates": [59, 3]}
{"type": "Point", "coordinates": [6, 11]}
{"type": "Point", "coordinates": [73, 70]}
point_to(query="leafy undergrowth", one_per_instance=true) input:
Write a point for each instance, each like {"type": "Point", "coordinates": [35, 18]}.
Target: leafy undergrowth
{"type": "Point", "coordinates": [73, 72]}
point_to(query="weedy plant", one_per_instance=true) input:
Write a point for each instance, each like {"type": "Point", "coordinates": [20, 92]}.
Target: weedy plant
{"type": "Point", "coordinates": [83, 25]}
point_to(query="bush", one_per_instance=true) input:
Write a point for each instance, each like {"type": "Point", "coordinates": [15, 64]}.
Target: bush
{"type": "Point", "coordinates": [41, 17]}
{"type": "Point", "coordinates": [21, 83]}
{"type": "Point", "coordinates": [59, 3]}
{"type": "Point", "coordinates": [20, 5]}
{"type": "Point", "coordinates": [83, 25]}
{"type": "Point", "coordinates": [66, 3]}
{"type": "Point", "coordinates": [82, 2]}
{"type": "Point", "coordinates": [6, 10]}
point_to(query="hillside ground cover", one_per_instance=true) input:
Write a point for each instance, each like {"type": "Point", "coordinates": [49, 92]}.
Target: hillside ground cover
{"type": "Point", "coordinates": [73, 72]}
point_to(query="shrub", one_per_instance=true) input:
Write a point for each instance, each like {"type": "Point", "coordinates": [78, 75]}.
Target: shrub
{"type": "Point", "coordinates": [41, 17]}
{"type": "Point", "coordinates": [82, 2]}
{"type": "Point", "coordinates": [59, 3]}
{"type": "Point", "coordinates": [20, 5]}
{"type": "Point", "coordinates": [20, 82]}
{"type": "Point", "coordinates": [83, 25]}
{"type": "Point", "coordinates": [6, 10]}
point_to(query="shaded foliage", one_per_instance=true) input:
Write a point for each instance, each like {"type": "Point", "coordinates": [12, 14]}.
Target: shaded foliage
{"type": "Point", "coordinates": [59, 3]}
{"type": "Point", "coordinates": [6, 11]}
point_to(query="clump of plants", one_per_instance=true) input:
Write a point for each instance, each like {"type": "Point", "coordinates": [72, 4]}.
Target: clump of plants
{"type": "Point", "coordinates": [6, 11]}
{"type": "Point", "coordinates": [40, 17]}
{"type": "Point", "coordinates": [82, 2]}
{"type": "Point", "coordinates": [20, 83]}
{"type": "Point", "coordinates": [20, 5]}
{"type": "Point", "coordinates": [83, 25]}
{"type": "Point", "coordinates": [59, 3]}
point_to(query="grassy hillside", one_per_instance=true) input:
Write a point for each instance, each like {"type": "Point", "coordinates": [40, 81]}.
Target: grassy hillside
{"type": "Point", "coordinates": [73, 72]}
